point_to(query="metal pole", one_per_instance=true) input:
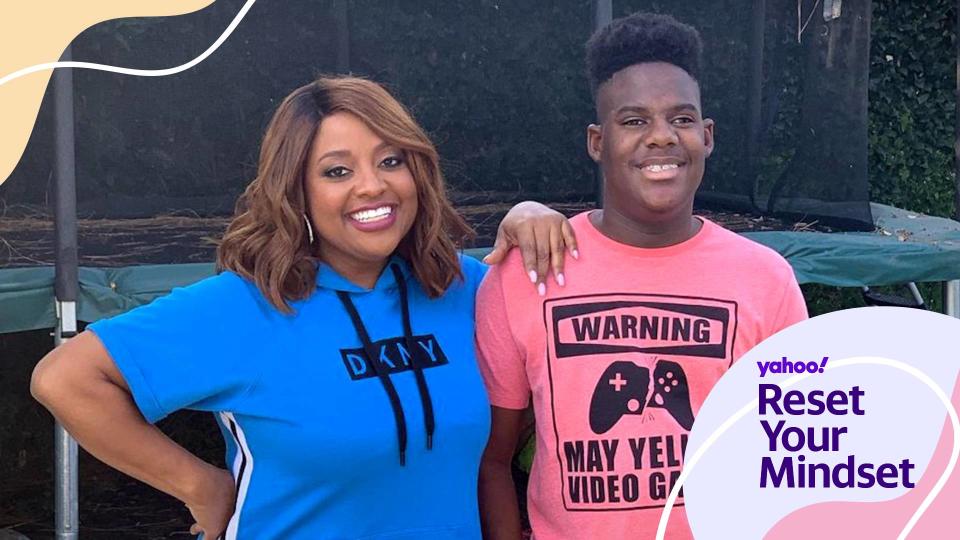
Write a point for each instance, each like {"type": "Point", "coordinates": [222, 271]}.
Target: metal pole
{"type": "Point", "coordinates": [951, 289]}
{"type": "Point", "coordinates": [602, 16]}
{"type": "Point", "coordinates": [66, 492]}
{"type": "Point", "coordinates": [755, 96]}
{"type": "Point", "coordinates": [956, 136]}
{"type": "Point", "coordinates": [951, 298]}
{"type": "Point", "coordinates": [341, 15]}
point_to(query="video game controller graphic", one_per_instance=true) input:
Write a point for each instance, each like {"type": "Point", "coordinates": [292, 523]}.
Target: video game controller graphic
{"type": "Point", "coordinates": [670, 392]}
{"type": "Point", "coordinates": [623, 389]}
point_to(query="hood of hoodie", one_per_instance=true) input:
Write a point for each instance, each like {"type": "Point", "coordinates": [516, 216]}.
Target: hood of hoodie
{"type": "Point", "coordinates": [328, 278]}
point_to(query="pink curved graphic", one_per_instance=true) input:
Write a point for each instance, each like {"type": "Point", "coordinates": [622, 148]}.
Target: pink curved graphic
{"type": "Point", "coordinates": [880, 520]}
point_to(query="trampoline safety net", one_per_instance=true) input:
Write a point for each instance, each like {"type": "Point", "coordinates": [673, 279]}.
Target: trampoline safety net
{"type": "Point", "coordinates": [500, 86]}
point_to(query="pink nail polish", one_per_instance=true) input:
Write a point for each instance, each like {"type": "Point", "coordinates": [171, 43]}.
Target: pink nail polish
{"type": "Point", "coordinates": [541, 289]}
{"type": "Point", "coordinates": [533, 276]}
{"type": "Point", "coordinates": [561, 280]}
{"type": "Point", "coordinates": [576, 254]}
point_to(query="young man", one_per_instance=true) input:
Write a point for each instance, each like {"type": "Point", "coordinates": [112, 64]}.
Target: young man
{"type": "Point", "coordinates": [658, 306]}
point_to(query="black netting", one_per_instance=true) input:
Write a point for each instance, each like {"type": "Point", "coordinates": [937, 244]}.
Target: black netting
{"type": "Point", "coordinates": [499, 85]}
{"type": "Point", "coordinates": [793, 140]}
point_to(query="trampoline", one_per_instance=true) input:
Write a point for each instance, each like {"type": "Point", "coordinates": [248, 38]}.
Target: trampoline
{"type": "Point", "coordinates": [881, 245]}
{"type": "Point", "coordinates": [906, 247]}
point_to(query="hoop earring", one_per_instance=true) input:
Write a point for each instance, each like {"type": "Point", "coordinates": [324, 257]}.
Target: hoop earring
{"type": "Point", "coordinates": [309, 228]}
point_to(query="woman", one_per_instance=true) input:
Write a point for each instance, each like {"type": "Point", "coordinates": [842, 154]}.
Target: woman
{"type": "Point", "coordinates": [336, 346]}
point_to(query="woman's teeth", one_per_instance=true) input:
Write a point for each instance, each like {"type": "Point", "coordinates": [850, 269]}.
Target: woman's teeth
{"type": "Point", "coordinates": [366, 216]}
{"type": "Point", "coordinates": [661, 168]}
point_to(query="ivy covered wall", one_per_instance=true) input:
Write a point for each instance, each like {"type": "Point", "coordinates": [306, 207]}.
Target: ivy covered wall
{"type": "Point", "coordinates": [912, 104]}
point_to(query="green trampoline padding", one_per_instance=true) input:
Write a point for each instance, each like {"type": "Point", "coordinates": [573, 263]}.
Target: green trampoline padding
{"type": "Point", "coordinates": [906, 247]}
{"type": "Point", "coordinates": [26, 294]}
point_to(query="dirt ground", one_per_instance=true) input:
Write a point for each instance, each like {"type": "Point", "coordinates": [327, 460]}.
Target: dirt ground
{"type": "Point", "coordinates": [112, 505]}
{"type": "Point", "coordinates": [27, 240]}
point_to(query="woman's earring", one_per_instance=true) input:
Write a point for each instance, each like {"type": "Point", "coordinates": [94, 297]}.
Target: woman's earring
{"type": "Point", "coordinates": [309, 228]}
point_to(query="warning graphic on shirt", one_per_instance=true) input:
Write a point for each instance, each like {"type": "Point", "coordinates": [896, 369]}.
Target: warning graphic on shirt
{"type": "Point", "coordinates": [632, 370]}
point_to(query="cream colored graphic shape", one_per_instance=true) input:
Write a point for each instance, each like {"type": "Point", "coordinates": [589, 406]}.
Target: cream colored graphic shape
{"type": "Point", "coordinates": [36, 32]}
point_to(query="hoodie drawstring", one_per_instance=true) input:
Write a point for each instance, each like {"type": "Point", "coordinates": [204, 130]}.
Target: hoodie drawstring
{"type": "Point", "coordinates": [384, 376]}
{"type": "Point", "coordinates": [425, 400]}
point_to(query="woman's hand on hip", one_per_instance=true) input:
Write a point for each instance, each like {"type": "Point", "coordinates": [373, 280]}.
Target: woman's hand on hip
{"type": "Point", "coordinates": [214, 504]}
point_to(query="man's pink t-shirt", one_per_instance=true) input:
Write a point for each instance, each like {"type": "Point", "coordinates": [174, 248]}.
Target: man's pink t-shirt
{"type": "Point", "coordinates": [618, 363]}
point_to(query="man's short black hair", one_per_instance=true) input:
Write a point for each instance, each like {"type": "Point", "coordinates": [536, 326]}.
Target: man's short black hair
{"type": "Point", "coordinates": [640, 38]}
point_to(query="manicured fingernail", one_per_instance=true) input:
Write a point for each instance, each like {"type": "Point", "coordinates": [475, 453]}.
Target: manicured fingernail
{"type": "Point", "coordinates": [560, 279]}
{"type": "Point", "coordinates": [541, 289]}
{"type": "Point", "coordinates": [576, 254]}
{"type": "Point", "coordinates": [533, 276]}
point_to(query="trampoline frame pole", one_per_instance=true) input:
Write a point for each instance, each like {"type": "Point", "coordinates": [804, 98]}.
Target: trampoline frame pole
{"type": "Point", "coordinates": [602, 16]}
{"type": "Point", "coordinates": [951, 298]}
{"type": "Point", "coordinates": [755, 96]}
{"type": "Point", "coordinates": [602, 13]}
{"type": "Point", "coordinates": [951, 289]}
{"type": "Point", "coordinates": [66, 464]}
{"type": "Point", "coordinates": [956, 128]}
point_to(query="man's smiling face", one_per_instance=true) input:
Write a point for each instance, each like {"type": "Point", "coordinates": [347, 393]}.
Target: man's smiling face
{"type": "Point", "coordinates": [652, 141]}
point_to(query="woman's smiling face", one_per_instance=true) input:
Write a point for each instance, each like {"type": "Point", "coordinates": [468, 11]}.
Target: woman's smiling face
{"type": "Point", "coordinates": [361, 196]}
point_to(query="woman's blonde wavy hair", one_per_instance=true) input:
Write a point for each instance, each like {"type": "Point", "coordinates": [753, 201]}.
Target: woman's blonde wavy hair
{"type": "Point", "coordinates": [267, 240]}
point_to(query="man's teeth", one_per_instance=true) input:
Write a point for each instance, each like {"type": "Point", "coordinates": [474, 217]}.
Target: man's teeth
{"type": "Point", "coordinates": [661, 168]}
{"type": "Point", "coordinates": [364, 216]}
